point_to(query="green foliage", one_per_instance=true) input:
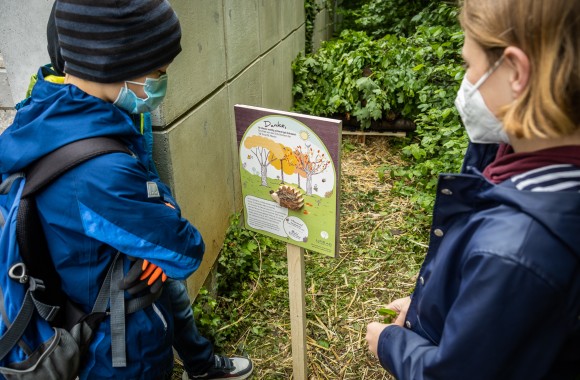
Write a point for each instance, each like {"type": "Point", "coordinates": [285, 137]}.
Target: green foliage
{"type": "Point", "coordinates": [310, 11]}
{"type": "Point", "coordinates": [401, 17]}
{"type": "Point", "coordinates": [381, 17]}
{"type": "Point", "coordinates": [204, 311]}
{"type": "Point", "coordinates": [371, 79]}
{"type": "Point", "coordinates": [239, 261]}
{"type": "Point", "coordinates": [246, 260]}
{"type": "Point", "coordinates": [412, 72]}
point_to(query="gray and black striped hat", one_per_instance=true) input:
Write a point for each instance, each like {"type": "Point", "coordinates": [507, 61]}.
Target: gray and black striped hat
{"type": "Point", "coordinates": [109, 41]}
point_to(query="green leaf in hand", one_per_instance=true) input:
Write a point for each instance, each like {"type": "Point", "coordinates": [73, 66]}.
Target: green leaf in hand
{"type": "Point", "coordinates": [388, 314]}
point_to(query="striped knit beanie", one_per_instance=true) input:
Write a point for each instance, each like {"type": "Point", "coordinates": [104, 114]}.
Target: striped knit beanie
{"type": "Point", "coordinates": [109, 41]}
{"type": "Point", "coordinates": [52, 44]}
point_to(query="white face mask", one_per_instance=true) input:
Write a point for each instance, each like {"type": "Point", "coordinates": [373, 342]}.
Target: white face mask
{"type": "Point", "coordinates": [480, 123]}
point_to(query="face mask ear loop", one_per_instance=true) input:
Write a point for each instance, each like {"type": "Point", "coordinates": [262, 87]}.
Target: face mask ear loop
{"type": "Point", "coordinates": [137, 83]}
{"type": "Point", "coordinates": [161, 77]}
{"type": "Point", "coordinates": [485, 76]}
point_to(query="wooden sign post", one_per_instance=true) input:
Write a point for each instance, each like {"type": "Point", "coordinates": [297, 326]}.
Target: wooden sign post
{"type": "Point", "coordinates": [290, 182]}
{"type": "Point", "coordinates": [297, 310]}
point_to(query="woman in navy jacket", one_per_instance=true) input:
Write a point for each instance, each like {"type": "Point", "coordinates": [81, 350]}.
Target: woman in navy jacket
{"type": "Point", "coordinates": [498, 296]}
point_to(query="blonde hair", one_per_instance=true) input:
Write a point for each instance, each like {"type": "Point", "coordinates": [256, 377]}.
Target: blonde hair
{"type": "Point", "coordinates": [548, 31]}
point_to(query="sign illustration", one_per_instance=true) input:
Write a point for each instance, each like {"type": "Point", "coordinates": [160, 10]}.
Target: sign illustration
{"type": "Point", "coordinates": [289, 169]}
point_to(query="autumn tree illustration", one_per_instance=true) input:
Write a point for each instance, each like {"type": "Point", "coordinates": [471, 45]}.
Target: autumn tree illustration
{"type": "Point", "coordinates": [286, 163]}
{"type": "Point", "coordinates": [301, 173]}
{"type": "Point", "coordinates": [263, 149]}
{"type": "Point", "coordinates": [310, 162]}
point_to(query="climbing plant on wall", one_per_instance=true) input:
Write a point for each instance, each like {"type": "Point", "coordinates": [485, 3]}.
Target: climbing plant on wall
{"type": "Point", "coordinates": [311, 9]}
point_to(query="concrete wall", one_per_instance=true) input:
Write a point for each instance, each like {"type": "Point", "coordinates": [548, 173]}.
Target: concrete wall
{"type": "Point", "coordinates": [233, 52]}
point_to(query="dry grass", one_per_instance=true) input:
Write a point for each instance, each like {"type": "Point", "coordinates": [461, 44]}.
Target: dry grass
{"type": "Point", "coordinates": [377, 263]}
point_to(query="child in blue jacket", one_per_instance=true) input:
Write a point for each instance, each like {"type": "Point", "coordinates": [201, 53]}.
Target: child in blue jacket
{"type": "Point", "coordinates": [116, 55]}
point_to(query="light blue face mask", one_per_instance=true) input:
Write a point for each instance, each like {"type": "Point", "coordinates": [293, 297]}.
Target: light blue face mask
{"type": "Point", "coordinates": [154, 88]}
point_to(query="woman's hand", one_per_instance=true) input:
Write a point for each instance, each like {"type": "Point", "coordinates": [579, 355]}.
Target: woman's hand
{"type": "Point", "coordinates": [374, 330]}
{"type": "Point", "coordinates": [400, 306]}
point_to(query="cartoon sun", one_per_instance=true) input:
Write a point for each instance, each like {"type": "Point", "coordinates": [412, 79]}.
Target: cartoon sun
{"type": "Point", "coordinates": [304, 135]}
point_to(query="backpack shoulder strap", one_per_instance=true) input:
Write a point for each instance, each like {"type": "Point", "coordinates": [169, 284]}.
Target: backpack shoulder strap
{"type": "Point", "coordinates": [28, 230]}
{"type": "Point", "coordinates": [29, 233]}
{"type": "Point", "coordinates": [56, 163]}
{"type": "Point", "coordinates": [38, 176]}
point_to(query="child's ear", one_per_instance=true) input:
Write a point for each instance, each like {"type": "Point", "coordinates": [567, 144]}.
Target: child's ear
{"type": "Point", "coordinates": [520, 64]}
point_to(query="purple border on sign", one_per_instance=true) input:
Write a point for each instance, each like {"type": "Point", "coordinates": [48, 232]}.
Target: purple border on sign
{"type": "Point", "coordinates": [329, 131]}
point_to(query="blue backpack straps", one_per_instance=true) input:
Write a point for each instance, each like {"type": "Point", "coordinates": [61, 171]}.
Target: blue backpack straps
{"type": "Point", "coordinates": [5, 187]}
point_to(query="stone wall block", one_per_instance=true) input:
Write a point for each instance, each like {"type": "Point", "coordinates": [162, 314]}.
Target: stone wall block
{"type": "Point", "coordinates": [23, 42]}
{"type": "Point", "coordinates": [322, 28]}
{"type": "Point", "coordinates": [270, 23]}
{"type": "Point", "coordinates": [242, 34]}
{"type": "Point", "coordinates": [201, 156]}
{"type": "Point", "coordinates": [244, 89]}
{"type": "Point", "coordinates": [201, 67]}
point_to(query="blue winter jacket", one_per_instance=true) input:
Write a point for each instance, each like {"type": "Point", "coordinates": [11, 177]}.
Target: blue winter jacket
{"type": "Point", "coordinates": [108, 204]}
{"type": "Point", "coordinates": [498, 296]}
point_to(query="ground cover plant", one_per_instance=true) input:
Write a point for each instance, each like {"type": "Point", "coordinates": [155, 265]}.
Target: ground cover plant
{"type": "Point", "coordinates": [380, 254]}
{"type": "Point", "coordinates": [392, 60]}
{"type": "Point", "coordinates": [402, 63]}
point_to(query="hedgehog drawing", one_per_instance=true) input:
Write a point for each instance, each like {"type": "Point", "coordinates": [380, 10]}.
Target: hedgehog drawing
{"type": "Point", "coordinates": [287, 196]}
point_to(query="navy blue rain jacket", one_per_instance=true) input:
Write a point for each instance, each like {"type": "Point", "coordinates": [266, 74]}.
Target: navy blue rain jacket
{"type": "Point", "coordinates": [498, 296]}
{"type": "Point", "coordinates": [108, 204]}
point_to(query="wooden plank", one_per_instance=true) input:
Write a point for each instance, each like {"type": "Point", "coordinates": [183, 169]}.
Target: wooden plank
{"type": "Point", "coordinates": [297, 310]}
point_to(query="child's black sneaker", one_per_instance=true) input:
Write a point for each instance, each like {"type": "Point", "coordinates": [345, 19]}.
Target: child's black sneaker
{"type": "Point", "coordinates": [234, 368]}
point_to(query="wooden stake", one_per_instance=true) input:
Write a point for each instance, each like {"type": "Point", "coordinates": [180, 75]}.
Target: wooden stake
{"type": "Point", "coordinates": [297, 310]}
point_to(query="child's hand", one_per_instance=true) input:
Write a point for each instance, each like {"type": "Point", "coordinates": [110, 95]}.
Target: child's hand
{"type": "Point", "coordinates": [374, 330]}
{"type": "Point", "coordinates": [399, 307]}
{"type": "Point", "coordinates": [141, 275]}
